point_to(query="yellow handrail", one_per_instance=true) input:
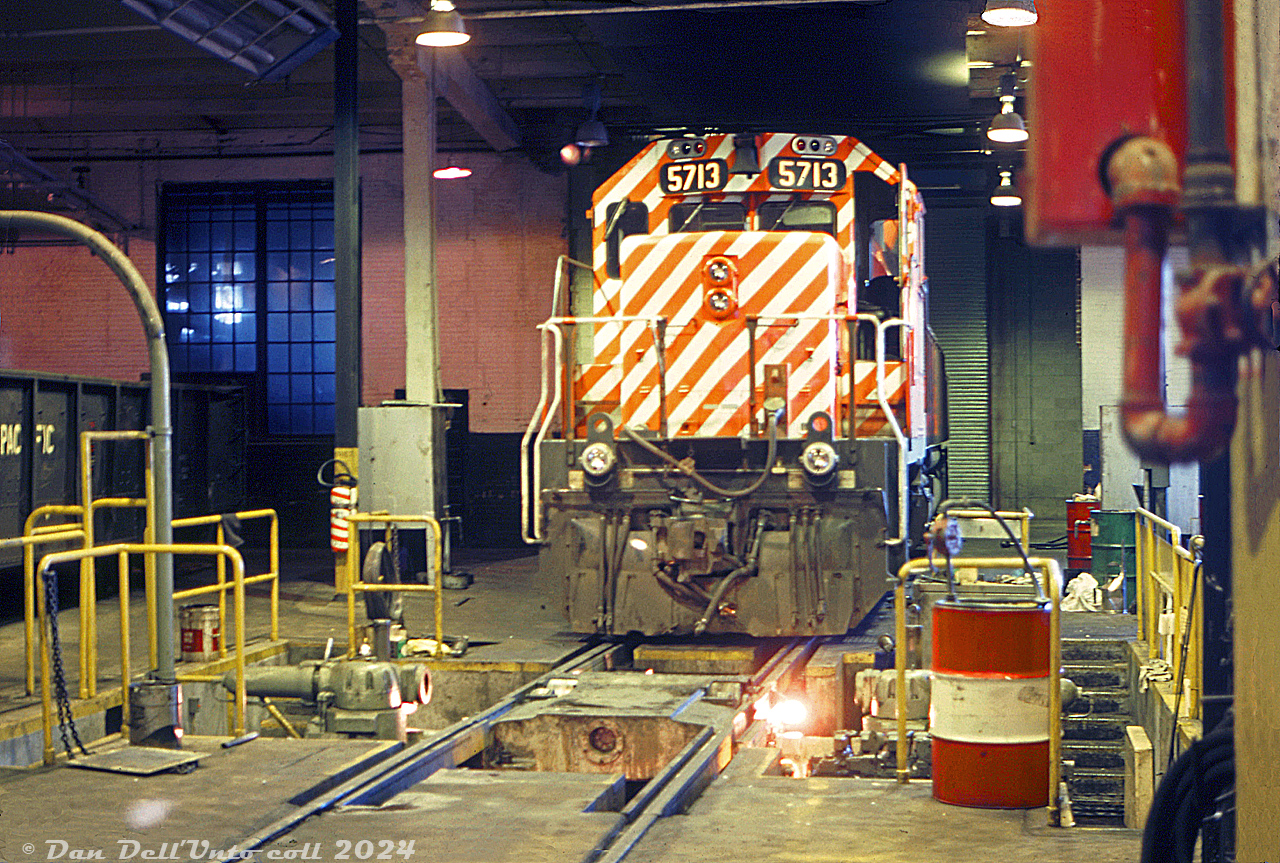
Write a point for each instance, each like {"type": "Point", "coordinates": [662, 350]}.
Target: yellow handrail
{"type": "Point", "coordinates": [88, 576]}
{"type": "Point", "coordinates": [123, 550]}
{"type": "Point", "coordinates": [1052, 573]}
{"type": "Point", "coordinates": [356, 584]}
{"type": "Point", "coordinates": [1165, 572]}
{"type": "Point", "coordinates": [221, 587]}
{"type": "Point", "coordinates": [29, 540]}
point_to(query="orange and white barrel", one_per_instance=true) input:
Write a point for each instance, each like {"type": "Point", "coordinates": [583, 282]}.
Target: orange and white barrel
{"type": "Point", "coordinates": [989, 715]}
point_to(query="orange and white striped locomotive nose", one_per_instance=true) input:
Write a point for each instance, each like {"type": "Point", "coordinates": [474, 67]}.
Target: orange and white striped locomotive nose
{"type": "Point", "coordinates": [708, 285]}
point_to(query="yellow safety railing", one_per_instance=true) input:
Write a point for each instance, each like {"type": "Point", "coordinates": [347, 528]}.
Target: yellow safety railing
{"type": "Point", "coordinates": [31, 537]}
{"type": "Point", "coordinates": [1164, 583]}
{"type": "Point", "coordinates": [222, 585]}
{"type": "Point", "coordinates": [1051, 572]}
{"type": "Point", "coordinates": [122, 551]}
{"type": "Point", "coordinates": [356, 585]}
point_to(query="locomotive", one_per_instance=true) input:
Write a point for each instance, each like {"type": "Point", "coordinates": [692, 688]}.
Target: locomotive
{"type": "Point", "coordinates": [738, 435]}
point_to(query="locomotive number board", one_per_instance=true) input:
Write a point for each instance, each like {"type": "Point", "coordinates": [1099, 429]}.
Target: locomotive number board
{"type": "Point", "coordinates": [816, 174]}
{"type": "Point", "coordinates": [698, 175]}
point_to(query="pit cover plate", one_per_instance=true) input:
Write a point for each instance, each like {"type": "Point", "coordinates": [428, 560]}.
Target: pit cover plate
{"type": "Point", "coordinates": [139, 760]}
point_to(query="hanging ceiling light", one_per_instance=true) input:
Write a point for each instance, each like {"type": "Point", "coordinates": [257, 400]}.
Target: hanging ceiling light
{"type": "Point", "coordinates": [452, 172]}
{"type": "Point", "coordinates": [1010, 13]}
{"type": "Point", "coordinates": [442, 27]}
{"type": "Point", "coordinates": [1006, 194]}
{"type": "Point", "coordinates": [1007, 127]}
{"type": "Point", "coordinates": [592, 133]}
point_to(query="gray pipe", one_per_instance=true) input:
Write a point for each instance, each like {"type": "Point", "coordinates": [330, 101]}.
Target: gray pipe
{"type": "Point", "coordinates": [162, 431]}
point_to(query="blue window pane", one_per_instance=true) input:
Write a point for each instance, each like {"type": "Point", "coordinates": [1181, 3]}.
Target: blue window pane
{"type": "Point", "coordinates": [300, 296]}
{"type": "Point", "coordinates": [324, 419]}
{"type": "Point", "coordinates": [198, 358]}
{"type": "Point", "coordinates": [197, 268]}
{"type": "Point", "coordinates": [277, 358]}
{"type": "Point", "coordinates": [196, 330]}
{"type": "Point", "coordinates": [220, 267]}
{"type": "Point", "coordinates": [175, 269]}
{"type": "Point", "coordinates": [323, 269]}
{"type": "Point", "coordinates": [247, 328]}
{"type": "Point", "coordinates": [278, 266]}
{"type": "Point", "coordinates": [223, 358]}
{"type": "Point", "coordinates": [323, 233]}
{"type": "Point", "coordinates": [278, 296]}
{"type": "Point", "coordinates": [300, 419]}
{"type": "Point", "coordinates": [324, 387]}
{"type": "Point", "coordinates": [175, 234]}
{"type": "Point", "coordinates": [323, 211]}
{"type": "Point", "coordinates": [246, 358]}
{"type": "Point", "coordinates": [300, 388]}
{"type": "Point", "coordinates": [246, 234]}
{"type": "Point", "coordinates": [277, 389]}
{"type": "Point", "coordinates": [177, 357]}
{"type": "Point", "coordinates": [300, 265]}
{"type": "Point", "coordinates": [323, 357]}
{"type": "Point", "coordinates": [223, 330]}
{"type": "Point", "coordinates": [300, 327]}
{"type": "Point", "coordinates": [220, 236]}
{"type": "Point", "coordinates": [175, 300]}
{"type": "Point", "coordinates": [323, 296]}
{"type": "Point", "coordinates": [325, 323]}
{"type": "Point", "coordinates": [246, 298]}
{"type": "Point", "coordinates": [277, 236]}
{"type": "Point", "coordinates": [300, 235]}
{"type": "Point", "coordinates": [278, 419]}
{"type": "Point", "coordinates": [277, 327]}
{"type": "Point", "coordinates": [198, 237]}
{"type": "Point", "coordinates": [244, 267]}
{"type": "Point", "coordinates": [300, 358]}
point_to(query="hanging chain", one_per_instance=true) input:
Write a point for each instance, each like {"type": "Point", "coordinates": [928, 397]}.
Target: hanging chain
{"type": "Point", "coordinates": [65, 719]}
{"type": "Point", "coordinates": [395, 553]}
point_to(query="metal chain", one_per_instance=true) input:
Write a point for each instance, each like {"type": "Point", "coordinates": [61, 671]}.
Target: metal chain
{"type": "Point", "coordinates": [65, 719]}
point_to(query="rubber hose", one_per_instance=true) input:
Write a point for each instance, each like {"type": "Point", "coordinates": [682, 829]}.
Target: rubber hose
{"type": "Point", "coordinates": [1188, 789]}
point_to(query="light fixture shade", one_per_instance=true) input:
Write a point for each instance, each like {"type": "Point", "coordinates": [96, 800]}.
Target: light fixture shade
{"type": "Point", "coordinates": [1006, 194]}
{"type": "Point", "coordinates": [592, 133]}
{"type": "Point", "coordinates": [452, 172]}
{"type": "Point", "coordinates": [1007, 128]}
{"type": "Point", "coordinates": [1010, 13]}
{"type": "Point", "coordinates": [443, 29]}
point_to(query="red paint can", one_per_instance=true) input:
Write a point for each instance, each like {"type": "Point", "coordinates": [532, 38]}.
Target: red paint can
{"type": "Point", "coordinates": [989, 714]}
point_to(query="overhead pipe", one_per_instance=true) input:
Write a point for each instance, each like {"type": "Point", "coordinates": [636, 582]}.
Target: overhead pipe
{"type": "Point", "coordinates": [161, 429]}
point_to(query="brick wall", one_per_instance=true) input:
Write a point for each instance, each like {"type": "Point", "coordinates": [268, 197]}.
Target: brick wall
{"type": "Point", "coordinates": [62, 311]}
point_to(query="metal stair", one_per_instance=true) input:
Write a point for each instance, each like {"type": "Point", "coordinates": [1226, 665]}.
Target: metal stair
{"type": "Point", "coordinates": [1093, 727]}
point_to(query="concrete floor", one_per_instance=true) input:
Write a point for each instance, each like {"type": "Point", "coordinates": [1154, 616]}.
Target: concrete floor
{"type": "Point", "coordinates": [508, 616]}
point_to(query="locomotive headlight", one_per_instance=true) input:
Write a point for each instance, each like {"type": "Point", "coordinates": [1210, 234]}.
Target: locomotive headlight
{"type": "Point", "coordinates": [719, 301]}
{"type": "Point", "coordinates": [598, 459]}
{"type": "Point", "coordinates": [819, 459]}
{"type": "Point", "coordinates": [718, 271]}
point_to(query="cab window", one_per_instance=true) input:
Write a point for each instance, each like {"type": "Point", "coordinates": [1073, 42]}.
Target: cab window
{"type": "Point", "coordinates": [797, 215]}
{"type": "Point", "coordinates": [706, 216]}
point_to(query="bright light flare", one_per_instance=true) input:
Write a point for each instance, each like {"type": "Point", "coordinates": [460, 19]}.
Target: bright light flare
{"type": "Point", "coordinates": [790, 713]}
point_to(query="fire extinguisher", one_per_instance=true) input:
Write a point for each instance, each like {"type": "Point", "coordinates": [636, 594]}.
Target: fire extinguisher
{"type": "Point", "coordinates": [342, 502]}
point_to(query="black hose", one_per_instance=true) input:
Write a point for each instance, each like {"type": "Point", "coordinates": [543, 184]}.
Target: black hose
{"type": "Point", "coordinates": [703, 481]}
{"type": "Point", "coordinates": [1187, 794]}
{"type": "Point", "coordinates": [745, 571]}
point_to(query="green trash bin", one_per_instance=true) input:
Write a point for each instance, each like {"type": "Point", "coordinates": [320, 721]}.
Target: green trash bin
{"type": "Point", "coordinates": [1115, 550]}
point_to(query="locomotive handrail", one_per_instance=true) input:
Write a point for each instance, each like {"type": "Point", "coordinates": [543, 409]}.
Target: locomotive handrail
{"type": "Point", "coordinates": [560, 271]}
{"type": "Point", "coordinates": [531, 510]}
{"type": "Point", "coordinates": [1052, 573]}
{"type": "Point", "coordinates": [881, 326]}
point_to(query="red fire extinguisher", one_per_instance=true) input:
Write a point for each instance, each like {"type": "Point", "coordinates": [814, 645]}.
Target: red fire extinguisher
{"type": "Point", "coordinates": [342, 502]}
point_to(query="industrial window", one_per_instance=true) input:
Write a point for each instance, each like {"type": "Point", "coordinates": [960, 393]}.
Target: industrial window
{"type": "Point", "coordinates": [246, 276]}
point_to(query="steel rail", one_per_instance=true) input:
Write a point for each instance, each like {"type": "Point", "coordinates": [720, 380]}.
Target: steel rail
{"type": "Point", "coordinates": [411, 764]}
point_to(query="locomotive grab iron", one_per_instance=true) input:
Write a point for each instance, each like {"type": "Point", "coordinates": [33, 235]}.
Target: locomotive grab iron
{"type": "Point", "coordinates": [732, 439]}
